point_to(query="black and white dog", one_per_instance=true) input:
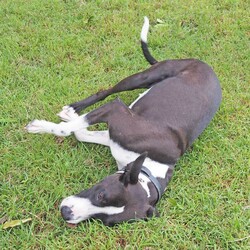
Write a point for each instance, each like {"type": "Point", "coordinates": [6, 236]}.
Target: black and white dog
{"type": "Point", "coordinates": [146, 139]}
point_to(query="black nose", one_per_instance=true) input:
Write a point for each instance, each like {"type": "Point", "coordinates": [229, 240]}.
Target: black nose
{"type": "Point", "coordinates": [66, 213]}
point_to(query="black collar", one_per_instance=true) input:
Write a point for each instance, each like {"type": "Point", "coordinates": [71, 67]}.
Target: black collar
{"type": "Point", "coordinates": [154, 181]}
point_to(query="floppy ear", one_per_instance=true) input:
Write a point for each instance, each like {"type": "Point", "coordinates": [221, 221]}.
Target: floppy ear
{"type": "Point", "coordinates": [132, 170]}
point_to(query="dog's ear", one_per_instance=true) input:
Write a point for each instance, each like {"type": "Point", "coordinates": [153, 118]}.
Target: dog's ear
{"type": "Point", "coordinates": [132, 170]}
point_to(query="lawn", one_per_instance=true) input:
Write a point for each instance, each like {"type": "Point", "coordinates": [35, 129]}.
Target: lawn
{"type": "Point", "coordinates": [53, 53]}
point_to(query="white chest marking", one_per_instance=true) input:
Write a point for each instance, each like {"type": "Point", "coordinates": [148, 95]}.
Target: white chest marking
{"type": "Point", "coordinates": [123, 157]}
{"type": "Point", "coordinates": [144, 182]}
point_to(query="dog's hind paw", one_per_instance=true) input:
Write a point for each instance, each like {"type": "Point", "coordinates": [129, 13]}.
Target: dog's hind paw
{"type": "Point", "coordinates": [68, 114]}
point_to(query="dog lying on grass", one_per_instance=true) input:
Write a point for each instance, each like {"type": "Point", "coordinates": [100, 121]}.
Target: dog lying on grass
{"type": "Point", "coordinates": [146, 139]}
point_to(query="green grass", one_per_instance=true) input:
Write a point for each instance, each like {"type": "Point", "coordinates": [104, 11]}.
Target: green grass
{"type": "Point", "coordinates": [53, 53]}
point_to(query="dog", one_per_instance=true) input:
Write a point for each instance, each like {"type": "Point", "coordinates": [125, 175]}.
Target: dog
{"type": "Point", "coordinates": [146, 139]}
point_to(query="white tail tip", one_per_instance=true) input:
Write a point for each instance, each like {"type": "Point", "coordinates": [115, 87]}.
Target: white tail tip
{"type": "Point", "coordinates": [144, 31]}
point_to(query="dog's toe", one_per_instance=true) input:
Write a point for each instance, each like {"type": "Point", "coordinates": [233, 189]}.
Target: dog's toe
{"type": "Point", "coordinates": [67, 114]}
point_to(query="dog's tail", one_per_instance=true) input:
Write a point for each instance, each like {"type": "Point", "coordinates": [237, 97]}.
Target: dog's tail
{"type": "Point", "coordinates": [144, 45]}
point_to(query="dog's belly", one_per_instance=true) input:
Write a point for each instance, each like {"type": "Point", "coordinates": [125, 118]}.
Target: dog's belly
{"type": "Point", "coordinates": [173, 103]}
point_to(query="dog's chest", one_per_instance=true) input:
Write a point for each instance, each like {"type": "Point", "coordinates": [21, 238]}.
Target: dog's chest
{"type": "Point", "coordinates": [121, 155]}
{"type": "Point", "coordinates": [124, 157]}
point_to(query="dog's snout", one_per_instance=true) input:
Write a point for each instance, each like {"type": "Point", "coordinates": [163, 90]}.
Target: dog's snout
{"type": "Point", "coordinates": [66, 213]}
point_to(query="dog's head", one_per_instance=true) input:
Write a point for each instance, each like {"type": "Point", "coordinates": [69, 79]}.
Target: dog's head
{"type": "Point", "coordinates": [119, 197]}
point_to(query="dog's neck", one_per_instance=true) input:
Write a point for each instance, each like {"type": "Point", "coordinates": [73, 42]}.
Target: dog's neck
{"type": "Point", "coordinates": [149, 183]}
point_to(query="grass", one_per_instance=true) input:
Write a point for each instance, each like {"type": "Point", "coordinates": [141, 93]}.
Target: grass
{"type": "Point", "coordinates": [53, 53]}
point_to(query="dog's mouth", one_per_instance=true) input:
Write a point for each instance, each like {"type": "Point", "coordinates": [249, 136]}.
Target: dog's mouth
{"type": "Point", "coordinates": [74, 222]}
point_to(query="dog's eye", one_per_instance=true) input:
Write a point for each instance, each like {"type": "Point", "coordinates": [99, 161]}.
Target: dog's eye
{"type": "Point", "coordinates": [100, 196]}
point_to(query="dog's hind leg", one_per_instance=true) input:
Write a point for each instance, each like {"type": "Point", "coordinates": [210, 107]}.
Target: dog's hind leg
{"type": "Point", "coordinates": [145, 79]}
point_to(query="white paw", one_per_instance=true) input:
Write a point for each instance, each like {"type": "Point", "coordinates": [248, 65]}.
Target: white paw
{"type": "Point", "coordinates": [37, 126]}
{"type": "Point", "coordinates": [68, 114]}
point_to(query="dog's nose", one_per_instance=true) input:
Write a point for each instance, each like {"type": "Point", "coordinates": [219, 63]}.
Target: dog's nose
{"type": "Point", "coordinates": [66, 213]}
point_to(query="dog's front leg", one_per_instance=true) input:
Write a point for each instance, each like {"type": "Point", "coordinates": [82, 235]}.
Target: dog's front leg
{"type": "Point", "coordinates": [61, 129]}
{"type": "Point", "coordinates": [79, 124]}
{"type": "Point", "coordinates": [83, 135]}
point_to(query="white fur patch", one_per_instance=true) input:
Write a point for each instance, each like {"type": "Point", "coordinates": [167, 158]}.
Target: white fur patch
{"type": "Point", "coordinates": [68, 114]}
{"type": "Point", "coordinates": [98, 137]}
{"type": "Point", "coordinates": [139, 97]}
{"type": "Point", "coordinates": [60, 129]}
{"type": "Point", "coordinates": [83, 209]}
{"type": "Point", "coordinates": [144, 31]}
{"type": "Point", "coordinates": [143, 180]}
{"type": "Point", "coordinates": [123, 157]}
